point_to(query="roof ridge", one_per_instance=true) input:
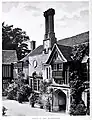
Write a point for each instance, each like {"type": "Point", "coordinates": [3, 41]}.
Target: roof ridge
{"type": "Point", "coordinates": [30, 53]}
{"type": "Point", "coordinates": [64, 45]}
{"type": "Point", "coordinates": [75, 35]}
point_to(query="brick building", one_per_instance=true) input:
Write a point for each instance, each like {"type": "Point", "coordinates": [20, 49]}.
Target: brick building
{"type": "Point", "coordinates": [51, 61]}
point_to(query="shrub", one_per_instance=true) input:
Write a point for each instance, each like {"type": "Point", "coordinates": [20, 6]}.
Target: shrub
{"type": "Point", "coordinates": [48, 105]}
{"type": "Point", "coordinates": [10, 95]}
{"type": "Point", "coordinates": [40, 101]}
{"type": "Point", "coordinates": [25, 91]}
{"type": "Point", "coordinates": [12, 91]}
{"type": "Point", "coordinates": [4, 92]}
{"type": "Point", "coordinates": [16, 92]}
{"type": "Point", "coordinates": [4, 110]}
{"type": "Point", "coordinates": [78, 108]}
{"type": "Point", "coordinates": [32, 99]}
{"type": "Point", "coordinates": [20, 97]}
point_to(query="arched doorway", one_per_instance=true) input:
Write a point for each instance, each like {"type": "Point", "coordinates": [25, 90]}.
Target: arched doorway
{"type": "Point", "coordinates": [59, 100]}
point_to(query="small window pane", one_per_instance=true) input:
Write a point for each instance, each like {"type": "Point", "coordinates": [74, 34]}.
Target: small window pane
{"type": "Point", "coordinates": [54, 67]}
{"type": "Point", "coordinates": [60, 66]}
{"type": "Point", "coordinates": [47, 72]}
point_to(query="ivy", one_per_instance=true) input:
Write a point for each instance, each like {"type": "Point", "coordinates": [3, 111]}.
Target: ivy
{"type": "Point", "coordinates": [77, 81]}
{"type": "Point", "coordinates": [79, 51]}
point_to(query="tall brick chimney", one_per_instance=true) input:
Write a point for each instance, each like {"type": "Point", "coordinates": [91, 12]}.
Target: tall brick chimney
{"type": "Point", "coordinates": [49, 28]}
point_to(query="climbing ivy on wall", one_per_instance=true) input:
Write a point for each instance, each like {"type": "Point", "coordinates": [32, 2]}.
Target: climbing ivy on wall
{"type": "Point", "coordinates": [79, 51]}
{"type": "Point", "coordinates": [77, 82]}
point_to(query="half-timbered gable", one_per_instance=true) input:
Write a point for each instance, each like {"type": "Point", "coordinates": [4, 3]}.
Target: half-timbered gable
{"type": "Point", "coordinates": [57, 66]}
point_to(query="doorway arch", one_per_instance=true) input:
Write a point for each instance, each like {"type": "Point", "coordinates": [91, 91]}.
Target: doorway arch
{"type": "Point", "coordinates": [60, 100]}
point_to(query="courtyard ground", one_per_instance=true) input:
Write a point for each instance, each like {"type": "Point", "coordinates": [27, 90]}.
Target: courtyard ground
{"type": "Point", "coordinates": [17, 109]}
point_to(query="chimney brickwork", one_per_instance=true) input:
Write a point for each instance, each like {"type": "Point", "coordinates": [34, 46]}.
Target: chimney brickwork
{"type": "Point", "coordinates": [32, 45]}
{"type": "Point", "coordinates": [49, 27]}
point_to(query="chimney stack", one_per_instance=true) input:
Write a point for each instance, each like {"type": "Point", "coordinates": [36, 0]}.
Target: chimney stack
{"type": "Point", "coordinates": [49, 27]}
{"type": "Point", "coordinates": [32, 45]}
{"type": "Point", "coordinates": [49, 21]}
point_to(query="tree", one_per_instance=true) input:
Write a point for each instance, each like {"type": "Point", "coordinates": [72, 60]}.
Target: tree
{"type": "Point", "coordinates": [77, 80]}
{"type": "Point", "coordinates": [77, 87]}
{"type": "Point", "coordinates": [44, 87]}
{"type": "Point", "coordinates": [6, 36]}
{"type": "Point", "coordinates": [79, 51]}
{"type": "Point", "coordinates": [15, 38]}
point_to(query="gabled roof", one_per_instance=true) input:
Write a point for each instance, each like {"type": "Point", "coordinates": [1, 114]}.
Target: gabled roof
{"type": "Point", "coordinates": [74, 40]}
{"type": "Point", "coordinates": [78, 39]}
{"type": "Point", "coordinates": [36, 51]}
{"type": "Point", "coordinates": [9, 56]}
{"type": "Point", "coordinates": [64, 51]}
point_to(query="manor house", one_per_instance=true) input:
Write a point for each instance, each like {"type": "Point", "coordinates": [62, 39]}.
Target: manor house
{"type": "Point", "coordinates": [52, 62]}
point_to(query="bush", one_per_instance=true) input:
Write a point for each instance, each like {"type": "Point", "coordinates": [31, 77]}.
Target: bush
{"type": "Point", "coordinates": [32, 99]}
{"type": "Point", "coordinates": [40, 102]}
{"type": "Point", "coordinates": [4, 92]}
{"type": "Point", "coordinates": [20, 93]}
{"type": "Point", "coordinates": [12, 91]}
{"type": "Point", "coordinates": [4, 110]}
{"type": "Point", "coordinates": [20, 97]}
{"type": "Point", "coordinates": [23, 93]}
{"type": "Point", "coordinates": [78, 109]}
{"type": "Point", "coordinates": [48, 105]}
{"type": "Point", "coordinates": [10, 95]}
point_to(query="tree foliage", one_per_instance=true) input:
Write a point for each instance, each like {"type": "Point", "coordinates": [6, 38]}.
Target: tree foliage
{"type": "Point", "coordinates": [44, 86]}
{"type": "Point", "coordinates": [77, 81]}
{"type": "Point", "coordinates": [18, 89]}
{"type": "Point", "coordinates": [79, 51]}
{"type": "Point", "coordinates": [14, 38]}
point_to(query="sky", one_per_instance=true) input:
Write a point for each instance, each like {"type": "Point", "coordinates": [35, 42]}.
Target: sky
{"type": "Point", "coordinates": [71, 18]}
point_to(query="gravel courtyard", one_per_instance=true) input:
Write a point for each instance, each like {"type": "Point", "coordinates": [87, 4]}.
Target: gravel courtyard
{"type": "Point", "coordinates": [17, 109]}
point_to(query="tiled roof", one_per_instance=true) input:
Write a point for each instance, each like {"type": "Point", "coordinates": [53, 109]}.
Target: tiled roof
{"type": "Point", "coordinates": [66, 51]}
{"type": "Point", "coordinates": [9, 56]}
{"type": "Point", "coordinates": [36, 51]}
{"type": "Point", "coordinates": [78, 39]}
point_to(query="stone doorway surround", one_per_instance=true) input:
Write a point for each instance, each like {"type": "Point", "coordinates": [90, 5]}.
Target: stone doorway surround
{"type": "Point", "coordinates": [60, 99]}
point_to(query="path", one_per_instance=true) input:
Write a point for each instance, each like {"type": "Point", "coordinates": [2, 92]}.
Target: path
{"type": "Point", "coordinates": [24, 109]}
